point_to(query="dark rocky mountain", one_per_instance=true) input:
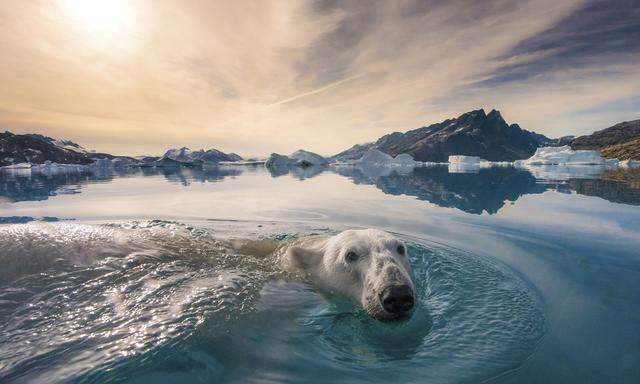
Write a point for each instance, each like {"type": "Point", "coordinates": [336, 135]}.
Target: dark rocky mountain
{"type": "Point", "coordinates": [36, 149]}
{"type": "Point", "coordinates": [622, 141]}
{"type": "Point", "coordinates": [544, 141]}
{"type": "Point", "coordinates": [474, 133]}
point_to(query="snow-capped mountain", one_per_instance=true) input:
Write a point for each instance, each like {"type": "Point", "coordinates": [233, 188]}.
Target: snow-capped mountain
{"type": "Point", "coordinates": [186, 155]}
{"type": "Point", "coordinates": [36, 149]}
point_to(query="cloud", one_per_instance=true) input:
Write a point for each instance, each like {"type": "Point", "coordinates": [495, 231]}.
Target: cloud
{"type": "Point", "coordinates": [260, 76]}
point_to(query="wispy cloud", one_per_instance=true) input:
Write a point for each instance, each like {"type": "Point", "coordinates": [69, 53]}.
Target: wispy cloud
{"type": "Point", "coordinates": [260, 76]}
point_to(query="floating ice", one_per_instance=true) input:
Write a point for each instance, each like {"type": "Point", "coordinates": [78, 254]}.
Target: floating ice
{"type": "Point", "coordinates": [17, 166]}
{"type": "Point", "coordinates": [299, 158]}
{"type": "Point", "coordinates": [55, 168]}
{"type": "Point", "coordinates": [302, 157]}
{"type": "Point", "coordinates": [563, 156]}
{"type": "Point", "coordinates": [461, 159]}
{"type": "Point", "coordinates": [378, 158]}
{"type": "Point", "coordinates": [277, 161]}
{"type": "Point", "coordinates": [404, 159]}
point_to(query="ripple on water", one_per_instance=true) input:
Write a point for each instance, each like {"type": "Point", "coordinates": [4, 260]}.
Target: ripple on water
{"type": "Point", "coordinates": [164, 302]}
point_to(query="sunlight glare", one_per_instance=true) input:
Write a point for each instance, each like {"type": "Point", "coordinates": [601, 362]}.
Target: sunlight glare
{"type": "Point", "coordinates": [100, 16]}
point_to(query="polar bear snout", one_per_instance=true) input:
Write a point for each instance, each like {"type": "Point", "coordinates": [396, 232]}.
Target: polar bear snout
{"type": "Point", "coordinates": [398, 300]}
{"type": "Point", "coordinates": [369, 266]}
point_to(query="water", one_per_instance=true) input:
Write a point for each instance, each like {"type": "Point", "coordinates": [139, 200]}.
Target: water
{"type": "Point", "coordinates": [134, 277]}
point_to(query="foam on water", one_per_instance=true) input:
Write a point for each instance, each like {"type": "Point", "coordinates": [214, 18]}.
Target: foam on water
{"type": "Point", "coordinates": [166, 302]}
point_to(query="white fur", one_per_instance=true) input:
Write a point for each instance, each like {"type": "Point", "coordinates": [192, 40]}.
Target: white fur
{"type": "Point", "coordinates": [379, 265]}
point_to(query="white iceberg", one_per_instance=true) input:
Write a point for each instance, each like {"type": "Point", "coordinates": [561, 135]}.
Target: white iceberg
{"type": "Point", "coordinates": [404, 159]}
{"type": "Point", "coordinates": [465, 164]}
{"type": "Point", "coordinates": [298, 158]}
{"type": "Point", "coordinates": [49, 167]}
{"type": "Point", "coordinates": [461, 159]}
{"type": "Point", "coordinates": [306, 158]}
{"type": "Point", "coordinates": [375, 157]}
{"type": "Point", "coordinates": [17, 166]}
{"type": "Point", "coordinates": [563, 156]}
{"type": "Point", "coordinates": [566, 172]}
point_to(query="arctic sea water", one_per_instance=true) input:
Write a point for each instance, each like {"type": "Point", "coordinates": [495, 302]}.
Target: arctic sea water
{"type": "Point", "coordinates": [523, 276]}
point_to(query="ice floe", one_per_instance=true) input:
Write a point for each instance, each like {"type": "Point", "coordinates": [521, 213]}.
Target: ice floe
{"type": "Point", "coordinates": [376, 157]}
{"type": "Point", "coordinates": [563, 156]}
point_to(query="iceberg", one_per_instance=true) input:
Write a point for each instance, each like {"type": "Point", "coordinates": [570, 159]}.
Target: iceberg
{"type": "Point", "coordinates": [375, 157]}
{"type": "Point", "coordinates": [464, 164]}
{"type": "Point", "coordinates": [563, 156]}
{"type": "Point", "coordinates": [306, 158]}
{"type": "Point", "coordinates": [51, 168]}
{"type": "Point", "coordinates": [404, 159]}
{"type": "Point", "coordinates": [300, 158]}
{"type": "Point", "coordinates": [17, 166]}
{"type": "Point", "coordinates": [461, 159]}
{"type": "Point", "coordinates": [276, 161]}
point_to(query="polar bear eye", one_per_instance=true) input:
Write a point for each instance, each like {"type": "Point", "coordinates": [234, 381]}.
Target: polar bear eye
{"type": "Point", "coordinates": [351, 256]}
{"type": "Point", "coordinates": [400, 249]}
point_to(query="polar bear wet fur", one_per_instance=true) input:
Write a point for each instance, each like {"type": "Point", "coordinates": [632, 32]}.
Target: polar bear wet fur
{"type": "Point", "coordinates": [369, 266]}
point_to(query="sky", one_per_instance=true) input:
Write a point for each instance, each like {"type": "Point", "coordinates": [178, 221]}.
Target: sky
{"type": "Point", "coordinates": [133, 77]}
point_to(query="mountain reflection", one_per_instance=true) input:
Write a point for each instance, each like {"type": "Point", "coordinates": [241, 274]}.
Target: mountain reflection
{"type": "Point", "coordinates": [485, 190]}
{"type": "Point", "coordinates": [611, 190]}
{"type": "Point", "coordinates": [300, 173]}
{"type": "Point", "coordinates": [25, 185]}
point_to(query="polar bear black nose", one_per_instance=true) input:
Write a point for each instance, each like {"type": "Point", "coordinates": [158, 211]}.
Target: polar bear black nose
{"type": "Point", "coordinates": [397, 299]}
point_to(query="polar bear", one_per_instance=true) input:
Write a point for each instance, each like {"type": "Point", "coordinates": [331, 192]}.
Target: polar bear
{"type": "Point", "coordinates": [369, 266]}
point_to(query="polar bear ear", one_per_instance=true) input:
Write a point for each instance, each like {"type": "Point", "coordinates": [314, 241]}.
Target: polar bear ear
{"type": "Point", "coordinates": [304, 258]}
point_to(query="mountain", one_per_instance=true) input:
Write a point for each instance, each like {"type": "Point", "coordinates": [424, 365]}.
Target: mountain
{"type": "Point", "coordinates": [36, 149]}
{"type": "Point", "coordinates": [185, 155]}
{"type": "Point", "coordinates": [622, 141]}
{"type": "Point", "coordinates": [544, 141]}
{"type": "Point", "coordinates": [474, 133]}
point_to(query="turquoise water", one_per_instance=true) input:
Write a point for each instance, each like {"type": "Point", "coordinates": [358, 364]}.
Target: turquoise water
{"type": "Point", "coordinates": [129, 276]}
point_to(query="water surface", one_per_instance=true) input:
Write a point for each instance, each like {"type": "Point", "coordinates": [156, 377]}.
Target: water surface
{"type": "Point", "coordinates": [128, 276]}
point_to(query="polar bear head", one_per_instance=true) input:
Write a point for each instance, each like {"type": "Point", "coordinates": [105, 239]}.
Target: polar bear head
{"type": "Point", "coordinates": [369, 266]}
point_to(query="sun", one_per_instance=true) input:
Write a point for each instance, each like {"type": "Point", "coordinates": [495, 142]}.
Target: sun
{"type": "Point", "coordinates": [100, 16]}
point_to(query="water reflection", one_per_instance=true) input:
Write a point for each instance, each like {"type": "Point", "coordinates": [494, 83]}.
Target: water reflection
{"type": "Point", "coordinates": [300, 173]}
{"type": "Point", "coordinates": [25, 185]}
{"type": "Point", "coordinates": [483, 190]}
{"type": "Point", "coordinates": [28, 186]}
{"type": "Point", "coordinates": [487, 190]}
{"type": "Point", "coordinates": [187, 176]}
{"type": "Point", "coordinates": [611, 190]}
